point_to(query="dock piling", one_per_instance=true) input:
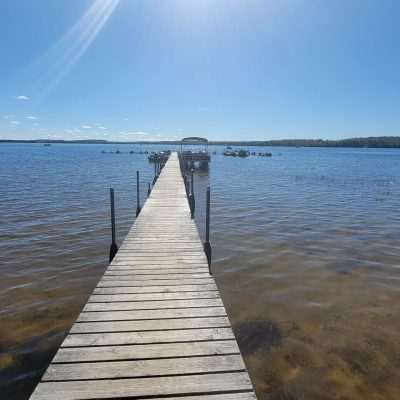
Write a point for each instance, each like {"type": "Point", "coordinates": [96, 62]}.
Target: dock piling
{"type": "Point", "coordinates": [137, 194]}
{"type": "Point", "coordinates": [192, 201]}
{"type": "Point", "coordinates": [113, 247]}
{"type": "Point", "coordinates": [155, 173]}
{"type": "Point", "coordinates": [148, 189]}
{"type": "Point", "coordinates": [207, 246]}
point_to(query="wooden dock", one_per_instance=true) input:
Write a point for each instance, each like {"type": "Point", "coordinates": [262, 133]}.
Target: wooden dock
{"type": "Point", "coordinates": [155, 326]}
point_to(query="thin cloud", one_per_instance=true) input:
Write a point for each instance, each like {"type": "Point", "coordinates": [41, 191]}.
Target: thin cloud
{"type": "Point", "coordinates": [31, 117]}
{"type": "Point", "coordinates": [24, 98]}
{"type": "Point", "coordinates": [15, 122]}
{"type": "Point", "coordinates": [9, 116]}
{"type": "Point", "coordinates": [101, 127]}
{"type": "Point", "coordinates": [86, 127]}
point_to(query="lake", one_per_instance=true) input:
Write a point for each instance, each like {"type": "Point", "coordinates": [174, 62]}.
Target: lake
{"type": "Point", "coordinates": [306, 253]}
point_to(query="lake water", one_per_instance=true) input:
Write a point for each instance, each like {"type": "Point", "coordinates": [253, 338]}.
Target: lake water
{"type": "Point", "coordinates": [306, 253]}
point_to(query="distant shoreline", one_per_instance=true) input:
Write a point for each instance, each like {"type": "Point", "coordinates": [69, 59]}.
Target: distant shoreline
{"type": "Point", "coordinates": [369, 142]}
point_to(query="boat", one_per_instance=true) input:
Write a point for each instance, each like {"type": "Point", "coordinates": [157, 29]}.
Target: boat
{"type": "Point", "coordinates": [243, 153]}
{"type": "Point", "coordinates": [236, 153]}
{"type": "Point", "coordinates": [160, 156]}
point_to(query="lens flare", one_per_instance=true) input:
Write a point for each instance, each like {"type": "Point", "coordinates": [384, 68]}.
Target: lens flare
{"type": "Point", "coordinates": [57, 61]}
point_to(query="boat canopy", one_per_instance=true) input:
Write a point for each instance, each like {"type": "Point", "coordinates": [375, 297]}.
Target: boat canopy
{"type": "Point", "coordinates": [194, 140]}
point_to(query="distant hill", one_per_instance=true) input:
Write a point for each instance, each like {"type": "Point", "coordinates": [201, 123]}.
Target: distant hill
{"type": "Point", "coordinates": [369, 142]}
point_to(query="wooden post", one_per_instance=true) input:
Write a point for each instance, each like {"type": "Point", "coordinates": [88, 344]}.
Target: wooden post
{"type": "Point", "coordinates": [113, 247]}
{"type": "Point", "coordinates": [148, 189]}
{"type": "Point", "coordinates": [207, 246]}
{"type": "Point", "coordinates": [192, 202]}
{"type": "Point", "coordinates": [137, 194]}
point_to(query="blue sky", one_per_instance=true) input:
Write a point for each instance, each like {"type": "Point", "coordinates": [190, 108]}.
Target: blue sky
{"type": "Point", "coordinates": [224, 69]}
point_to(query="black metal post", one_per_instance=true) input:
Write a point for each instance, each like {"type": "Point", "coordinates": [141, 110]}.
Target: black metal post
{"type": "Point", "coordinates": [137, 194]}
{"type": "Point", "coordinates": [207, 246]}
{"type": "Point", "coordinates": [186, 185]}
{"type": "Point", "coordinates": [113, 247]}
{"type": "Point", "coordinates": [155, 173]}
{"type": "Point", "coordinates": [148, 189]}
{"type": "Point", "coordinates": [192, 202]}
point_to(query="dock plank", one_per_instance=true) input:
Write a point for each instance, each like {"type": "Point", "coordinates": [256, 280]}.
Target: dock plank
{"type": "Point", "coordinates": [152, 305]}
{"type": "Point", "coordinates": [159, 386]}
{"type": "Point", "coordinates": [150, 325]}
{"type": "Point", "coordinates": [151, 314]}
{"type": "Point", "coordinates": [142, 368]}
{"type": "Point", "coordinates": [171, 336]}
{"type": "Point", "coordinates": [146, 351]}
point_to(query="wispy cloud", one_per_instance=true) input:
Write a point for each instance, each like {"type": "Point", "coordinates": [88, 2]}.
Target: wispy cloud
{"type": "Point", "coordinates": [101, 127]}
{"type": "Point", "coordinates": [24, 98]}
{"type": "Point", "coordinates": [9, 116]}
{"type": "Point", "coordinates": [31, 117]}
{"type": "Point", "coordinates": [15, 122]}
{"type": "Point", "coordinates": [86, 127]}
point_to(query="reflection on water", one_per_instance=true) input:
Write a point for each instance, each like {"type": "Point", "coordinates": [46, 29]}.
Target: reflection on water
{"type": "Point", "coordinates": [306, 253]}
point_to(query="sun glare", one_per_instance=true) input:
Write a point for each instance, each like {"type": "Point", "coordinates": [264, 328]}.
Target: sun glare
{"type": "Point", "coordinates": [55, 64]}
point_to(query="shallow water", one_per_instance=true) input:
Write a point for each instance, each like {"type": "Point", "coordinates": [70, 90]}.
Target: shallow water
{"type": "Point", "coordinates": [306, 253]}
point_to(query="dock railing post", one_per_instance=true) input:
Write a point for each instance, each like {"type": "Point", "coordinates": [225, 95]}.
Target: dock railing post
{"type": "Point", "coordinates": [207, 246]}
{"type": "Point", "coordinates": [113, 247]}
{"type": "Point", "coordinates": [155, 173]}
{"type": "Point", "coordinates": [137, 194]}
{"type": "Point", "coordinates": [148, 189]}
{"type": "Point", "coordinates": [192, 202]}
{"type": "Point", "coordinates": [186, 185]}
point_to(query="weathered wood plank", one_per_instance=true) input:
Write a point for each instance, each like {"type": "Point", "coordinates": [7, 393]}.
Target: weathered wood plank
{"type": "Point", "coordinates": [154, 282]}
{"type": "Point", "coordinates": [157, 386]}
{"type": "Point", "coordinates": [143, 277]}
{"type": "Point", "coordinates": [150, 325]}
{"type": "Point", "coordinates": [121, 338]}
{"type": "Point", "coordinates": [146, 351]}
{"type": "Point", "coordinates": [98, 298]}
{"type": "Point", "coordinates": [152, 305]}
{"type": "Point", "coordinates": [156, 289]}
{"type": "Point", "coordinates": [151, 314]}
{"type": "Point", "coordinates": [151, 271]}
{"type": "Point", "coordinates": [143, 368]}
